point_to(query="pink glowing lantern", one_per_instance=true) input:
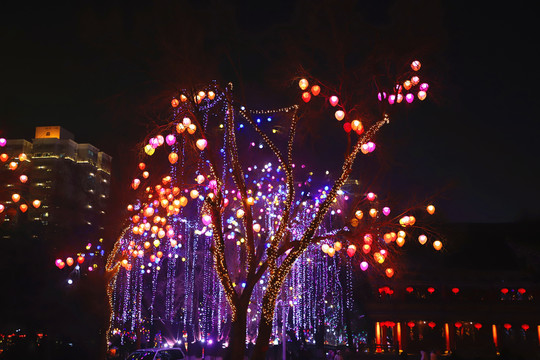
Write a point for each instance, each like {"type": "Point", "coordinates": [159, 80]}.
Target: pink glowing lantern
{"type": "Point", "coordinates": [334, 100]}
{"type": "Point", "coordinates": [364, 266]}
{"type": "Point", "coordinates": [422, 239]}
{"type": "Point", "coordinates": [23, 178]}
{"type": "Point", "coordinates": [371, 196]}
{"type": "Point", "coordinates": [424, 87]}
{"type": "Point", "coordinates": [371, 146]}
{"type": "Point", "coordinates": [392, 99]}
{"type": "Point", "coordinates": [381, 96]}
{"type": "Point", "coordinates": [409, 98]}
{"type": "Point", "coordinates": [170, 139]}
{"type": "Point", "coordinates": [3, 142]}
{"type": "Point", "coordinates": [386, 211]}
{"type": "Point", "coordinates": [59, 263]}
{"type": "Point", "coordinates": [1, 208]}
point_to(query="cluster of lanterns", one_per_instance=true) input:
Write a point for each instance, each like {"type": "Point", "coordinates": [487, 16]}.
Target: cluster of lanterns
{"type": "Point", "coordinates": [185, 126]}
{"type": "Point", "coordinates": [13, 166]}
{"type": "Point", "coordinates": [407, 85]}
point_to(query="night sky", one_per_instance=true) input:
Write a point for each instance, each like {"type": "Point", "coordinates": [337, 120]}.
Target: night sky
{"type": "Point", "coordinates": [99, 69]}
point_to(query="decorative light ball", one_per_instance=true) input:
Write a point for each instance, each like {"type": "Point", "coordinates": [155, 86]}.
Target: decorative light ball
{"type": "Point", "coordinates": [22, 157]}
{"type": "Point", "coordinates": [23, 207]}
{"type": "Point", "coordinates": [170, 139]}
{"type": "Point", "coordinates": [191, 129]}
{"type": "Point", "coordinates": [194, 194]}
{"type": "Point", "coordinates": [415, 80]}
{"type": "Point", "coordinates": [387, 238]}
{"type": "Point", "coordinates": [368, 239]}
{"type": "Point", "coordinates": [389, 272]}
{"type": "Point", "coordinates": [69, 261]}
{"type": "Point", "coordinates": [437, 245]}
{"type": "Point", "coordinates": [201, 144]}
{"type": "Point", "coordinates": [386, 211]}
{"type": "Point", "coordinates": [373, 213]}
{"type": "Point", "coordinates": [402, 234]}
{"type": "Point", "coordinates": [399, 98]}
{"type": "Point", "coordinates": [407, 84]}
{"type": "Point", "coordinates": [432, 324]}
{"type": "Point", "coordinates": [180, 128]}
{"type": "Point", "coordinates": [4, 157]}
{"type": "Point", "coordinates": [378, 257]}
{"type": "Point", "coordinates": [354, 222]}
{"type": "Point", "coordinates": [381, 96]}
{"type": "Point", "coordinates": [23, 178]}
{"type": "Point", "coordinates": [392, 99]}
{"type": "Point", "coordinates": [303, 84]}
{"type": "Point", "coordinates": [173, 158]}
{"type": "Point", "coordinates": [1, 208]}
{"type": "Point", "coordinates": [199, 179]}
{"type": "Point", "coordinates": [347, 127]}
{"type": "Point", "coordinates": [183, 98]}
{"type": "Point", "coordinates": [13, 165]}
{"type": "Point", "coordinates": [59, 263]}
{"type": "Point", "coordinates": [359, 214]}
{"type": "Point", "coordinates": [206, 219]}
{"type": "Point", "coordinates": [156, 243]}
{"type": "Point", "coordinates": [142, 166]}
{"type": "Point", "coordinates": [355, 124]}
{"type": "Point", "coordinates": [175, 103]}
{"type": "Point", "coordinates": [186, 121]}
{"type": "Point", "coordinates": [364, 148]}
{"type": "Point", "coordinates": [366, 248]}
{"type": "Point", "coordinates": [400, 241]}
{"type": "Point", "coordinates": [351, 250]}
{"type": "Point", "coordinates": [211, 95]}
{"type": "Point", "coordinates": [478, 326]}
{"type": "Point", "coordinates": [315, 90]}
{"type": "Point", "coordinates": [371, 146]}
{"type": "Point", "coordinates": [149, 211]}
{"type": "Point", "coordinates": [331, 252]}
{"type": "Point", "coordinates": [325, 248]}
{"type": "Point", "coordinates": [201, 94]}
{"type": "Point", "coordinates": [364, 266]}
{"type": "Point", "coordinates": [455, 290]}
{"type": "Point", "coordinates": [371, 196]}
{"type": "Point", "coordinates": [250, 200]}
{"type": "Point", "coordinates": [422, 95]}
{"type": "Point", "coordinates": [146, 174]}
{"type": "Point", "coordinates": [306, 96]}
{"type": "Point", "coordinates": [36, 203]}
{"type": "Point", "coordinates": [15, 197]}
{"type": "Point", "coordinates": [334, 100]}
{"type": "Point", "coordinates": [240, 213]}
{"type": "Point", "coordinates": [340, 115]}
{"type": "Point", "coordinates": [409, 98]}
{"type": "Point", "coordinates": [430, 209]}
{"type": "Point", "coordinates": [183, 201]}
{"type": "Point", "coordinates": [149, 150]}
{"type": "Point", "coordinates": [80, 259]}
{"type": "Point", "coordinates": [337, 246]}
{"type": "Point", "coordinates": [415, 65]}
{"type": "Point", "coordinates": [3, 142]}
{"type": "Point", "coordinates": [424, 86]}
{"type": "Point", "coordinates": [422, 239]}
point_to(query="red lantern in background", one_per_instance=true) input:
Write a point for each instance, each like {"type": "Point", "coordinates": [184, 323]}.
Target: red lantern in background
{"type": "Point", "coordinates": [431, 290]}
{"type": "Point", "coordinates": [431, 324]}
{"type": "Point", "coordinates": [455, 290]}
{"type": "Point", "coordinates": [306, 96]}
{"type": "Point", "coordinates": [411, 324]}
{"type": "Point", "coordinates": [409, 289]}
{"type": "Point", "coordinates": [525, 327]}
{"type": "Point", "coordinates": [478, 326]}
{"type": "Point", "coordinates": [521, 291]}
{"type": "Point", "coordinates": [504, 291]}
{"type": "Point", "coordinates": [458, 324]}
{"type": "Point", "coordinates": [507, 326]}
{"type": "Point", "coordinates": [347, 127]}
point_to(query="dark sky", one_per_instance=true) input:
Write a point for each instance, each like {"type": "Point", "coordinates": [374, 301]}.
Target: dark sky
{"type": "Point", "coordinates": [99, 69]}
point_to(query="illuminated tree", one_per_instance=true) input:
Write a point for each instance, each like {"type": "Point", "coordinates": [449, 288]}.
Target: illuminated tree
{"type": "Point", "coordinates": [211, 193]}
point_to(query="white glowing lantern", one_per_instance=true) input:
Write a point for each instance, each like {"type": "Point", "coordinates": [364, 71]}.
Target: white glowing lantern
{"type": "Point", "coordinates": [200, 179]}
{"type": "Point", "coordinates": [201, 144]}
{"type": "Point", "coordinates": [325, 248]}
{"type": "Point", "coordinates": [422, 95]}
{"type": "Point", "coordinates": [303, 84]}
{"type": "Point", "coordinates": [359, 214]}
{"type": "Point", "coordinates": [364, 148]}
{"type": "Point", "coordinates": [340, 115]}
{"type": "Point", "coordinates": [422, 239]}
{"type": "Point", "coordinates": [257, 227]}
{"type": "Point", "coordinates": [239, 213]}
{"type": "Point", "coordinates": [331, 252]}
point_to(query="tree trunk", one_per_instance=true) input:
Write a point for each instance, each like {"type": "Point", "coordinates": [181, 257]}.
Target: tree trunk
{"type": "Point", "coordinates": [265, 331]}
{"type": "Point", "coordinates": [237, 335]}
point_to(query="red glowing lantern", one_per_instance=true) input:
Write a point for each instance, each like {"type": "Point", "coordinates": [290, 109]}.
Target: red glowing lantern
{"type": "Point", "coordinates": [80, 259]}
{"type": "Point", "coordinates": [347, 127]}
{"type": "Point", "coordinates": [431, 324]}
{"type": "Point", "coordinates": [411, 324]}
{"type": "Point", "coordinates": [334, 100]}
{"type": "Point", "coordinates": [504, 291]}
{"type": "Point", "coordinates": [306, 96]}
{"type": "Point", "coordinates": [458, 324]}
{"type": "Point", "coordinates": [525, 327]}
{"type": "Point", "coordinates": [315, 90]}
{"type": "Point", "coordinates": [521, 291]}
{"type": "Point", "coordinates": [431, 290]}
{"type": "Point", "coordinates": [389, 272]}
{"type": "Point", "coordinates": [478, 326]}
{"type": "Point", "coordinates": [4, 157]}
{"type": "Point", "coordinates": [142, 166]}
{"type": "Point", "coordinates": [351, 250]}
{"type": "Point", "coordinates": [409, 289]}
{"type": "Point", "coordinates": [23, 207]}
{"type": "Point", "coordinates": [455, 290]}
{"type": "Point", "coordinates": [507, 326]}
{"type": "Point", "coordinates": [13, 165]}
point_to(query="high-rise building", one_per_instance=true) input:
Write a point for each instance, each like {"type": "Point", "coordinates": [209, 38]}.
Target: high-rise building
{"type": "Point", "coordinates": [70, 182]}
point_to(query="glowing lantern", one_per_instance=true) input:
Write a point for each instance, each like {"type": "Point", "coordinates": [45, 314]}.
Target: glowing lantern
{"type": "Point", "coordinates": [239, 213]}
{"type": "Point", "coordinates": [4, 157]}
{"type": "Point", "coordinates": [392, 99]}
{"type": "Point", "coordinates": [80, 259]}
{"type": "Point", "coordinates": [337, 246]}
{"type": "Point", "coordinates": [399, 98]}
{"type": "Point", "coordinates": [368, 239]}
{"type": "Point", "coordinates": [315, 90]}
{"type": "Point", "coordinates": [507, 326]}
{"type": "Point", "coordinates": [504, 291]}
{"type": "Point", "coordinates": [521, 291]}
{"type": "Point", "coordinates": [135, 183]}
{"type": "Point", "coordinates": [386, 211]}
{"type": "Point", "coordinates": [334, 100]}
{"type": "Point", "coordinates": [149, 150]}
{"type": "Point", "coordinates": [3, 142]}
{"type": "Point", "coordinates": [170, 139]}
{"type": "Point", "coordinates": [366, 248]}
{"type": "Point", "coordinates": [23, 207]}
{"type": "Point", "coordinates": [201, 144]}
{"type": "Point", "coordinates": [194, 194]}
{"type": "Point", "coordinates": [183, 201]}
{"type": "Point", "coordinates": [250, 200]}
{"type": "Point", "coordinates": [400, 241]}
{"type": "Point", "coordinates": [455, 290]}
{"type": "Point", "coordinates": [306, 96]}
{"type": "Point", "coordinates": [354, 222]}
{"type": "Point", "coordinates": [173, 158]}
{"type": "Point", "coordinates": [407, 84]}
{"type": "Point", "coordinates": [340, 115]}
{"type": "Point", "coordinates": [437, 245]}
{"type": "Point", "coordinates": [59, 263]}
{"type": "Point", "coordinates": [15, 197]}
{"type": "Point", "coordinates": [411, 324]}
{"type": "Point", "coordinates": [13, 165]}
{"type": "Point", "coordinates": [23, 178]}
{"type": "Point", "coordinates": [415, 65]}
{"type": "Point", "coordinates": [156, 243]}
{"type": "Point", "coordinates": [415, 80]}
{"type": "Point", "coordinates": [146, 244]}
{"type": "Point", "coordinates": [69, 261]}
{"type": "Point", "coordinates": [378, 257]}
{"type": "Point", "coordinates": [381, 96]}
{"type": "Point", "coordinates": [201, 94]}
{"type": "Point", "coordinates": [145, 174]}
{"type": "Point", "coordinates": [303, 84]}
{"type": "Point", "coordinates": [424, 86]}
{"type": "Point", "coordinates": [142, 166]}
{"type": "Point", "coordinates": [371, 146]}
{"type": "Point", "coordinates": [351, 250]}
{"type": "Point", "coordinates": [389, 272]}
{"type": "Point", "coordinates": [149, 211]}
{"type": "Point", "coordinates": [347, 127]}
{"type": "Point", "coordinates": [356, 125]}
{"type": "Point", "coordinates": [404, 221]}
{"type": "Point", "coordinates": [431, 324]}
{"type": "Point", "coordinates": [1, 208]}
{"type": "Point", "coordinates": [161, 233]}
{"type": "Point", "coordinates": [409, 98]}
{"type": "Point", "coordinates": [257, 227]}
{"type": "Point", "coordinates": [36, 203]}
{"type": "Point", "coordinates": [364, 148]}
{"type": "Point", "coordinates": [387, 238]}
{"type": "Point", "coordinates": [458, 324]}
{"type": "Point", "coordinates": [409, 289]}
{"type": "Point", "coordinates": [206, 219]}
{"type": "Point", "coordinates": [186, 121]}
{"type": "Point", "coordinates": [359, 214]}
{"type": "Point", "coordinates": [402, 234]}
{"type": "Point", "coordinates": [431, 290]}
{"type": "Point", "coordinates": [325, 248]}
{"type": "Point", "coordinates": [183, 98]}
{"type": "Point", "coordinates": [525, 327]}
{"type": "Point", "coordinates": [422, 239]}
{"type": "Point", "coordinates": [371, 196]}
{"type": "Point", "coordinates": [364, 266]}
{"type": "Point", "coordinates": [373, 213]}
{"type": "Point", "coordinates": [175, 103]}
{"type": "Point", "coordinates": [191, 129]}
{"type": "Point", "coordinates": [180, 128]}
{"type": "Point", "coordinates": [331, 252]}
{"type": "Point", "coordinates": [430, 209]}
{"type": "Point", "coordinates": [421, 95]}
{"type": "Point", "coordinates": [22, 157]}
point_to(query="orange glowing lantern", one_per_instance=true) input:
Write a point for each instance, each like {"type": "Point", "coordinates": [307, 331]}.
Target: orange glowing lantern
{"type": "Point", "coordinates": [36, 203]}
{"type": "Point", "coordinates": [340, 115]}
{"type": "Point", "coordinates": [315, 90]}
{"type": "Point", "coordinates": [173, 158]}
{"type": "Point", "coordinates": [373, 213]}
{"type": "Point", "coordinates": [23, 178]}
{"type": "Point", "coordinates": [337, 246]}
{"type": "Point", "coordinates": [15, 197]}
{"type": "Point", "coordinates": [359, 214]}
{"type": "Point", "coordinates": [211, 95]}
{"type": "Point", "coordinates": [201, 144]}
{"type": "Point", "coordinates": [175, 103]}
{"type": "Point", "coordinates": [400, 241]}
{"type": "Point", "coordinates": [23, 207]}
{"type": "Point", "coordinates": [194, 194]}
{"type": "Point", "coordinates": [437, 245]}
{"type": "Point", "coordinates": [366, 248]}
{"type": "Point", "coordinates": [325, 248]}
{"type": "Point", "coordinates": [22, 157]}
{"type": "Point", "coordinates": [4, 157]}
{"type": "Point", "coordinates": [13, 165]}
{"type": "Point", "coordinates": [191, 129]}
{"type": "Point", "coordinates": [303, 84]}
{"type": "Point", "coordinates": [69, 261]}
{"type": "Point", "coordinates": [389, 272]}
{"type": "Point", "coordinates": [135, 183]}
{"type": "Point", "coordinates": [331, 252]}
{"type": "Point", "coordinates": [415, 65]}
{"type": "Point", "coordinates": [422, 239]}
